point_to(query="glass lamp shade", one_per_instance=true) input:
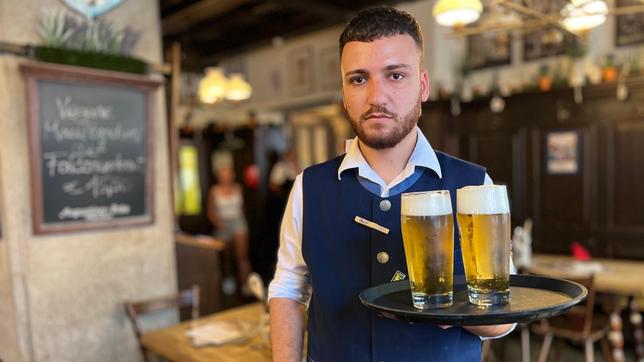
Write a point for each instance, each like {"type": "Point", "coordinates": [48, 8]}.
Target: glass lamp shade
{"type": "Point", "coordinates": [583, 15]}
{"type": "Point", "coordinates": [457, 12]}
{"type": "Point", "coordinates": [212, 87]}
{"type": "Point", "coordinates": [238, 89]}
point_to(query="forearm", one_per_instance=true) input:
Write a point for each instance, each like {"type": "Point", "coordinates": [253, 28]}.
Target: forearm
{"type": "Point", "coordinates": [490, 331]}
{"type": "Point", "coordinates": [287, 329]}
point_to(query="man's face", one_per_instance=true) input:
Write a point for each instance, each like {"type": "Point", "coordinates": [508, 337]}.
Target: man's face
{"type": "Point", "coordinates": [383, 88]}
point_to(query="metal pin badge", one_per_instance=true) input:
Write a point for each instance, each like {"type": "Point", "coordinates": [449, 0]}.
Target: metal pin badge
{"type": "Point", "coordinates": [371, 225]}
{"type": "Point", "coordinates": [398, 275]}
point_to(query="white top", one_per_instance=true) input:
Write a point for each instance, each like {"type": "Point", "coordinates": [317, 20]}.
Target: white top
{"type": "Point", "coordinates": [291, 275]}
{"type": "Point", "coordinates": [229, 207]}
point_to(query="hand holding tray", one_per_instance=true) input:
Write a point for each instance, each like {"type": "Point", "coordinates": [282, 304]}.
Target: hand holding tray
{"type": "Point", "coordinates": [531, 297]}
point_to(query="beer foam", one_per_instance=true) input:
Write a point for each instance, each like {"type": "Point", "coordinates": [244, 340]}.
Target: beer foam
{"type": "Point", "coordinates": [426, 204]}
{"type": "Point", "coordinates": [482, 200]}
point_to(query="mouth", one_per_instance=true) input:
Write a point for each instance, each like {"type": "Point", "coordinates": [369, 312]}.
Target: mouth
{"type": "Point", "coordinates": [378, 116]}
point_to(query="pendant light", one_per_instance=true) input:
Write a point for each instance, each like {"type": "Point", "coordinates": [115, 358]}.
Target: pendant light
{"type": "Point", "coordinates": [457, 12]}
{"type": "Point", "coordinates": [212, 87]}
{"type": "Point", "coordinates": [237, 89]}
{"type": "Point", "coordinates": [580, 16]}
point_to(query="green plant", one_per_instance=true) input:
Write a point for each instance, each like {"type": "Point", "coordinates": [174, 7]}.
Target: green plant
{"type": "Point", "coordinates": [576, 48]}
{"type": "Point", "coordinates": [59, 30]}
{"type": "Point", "coordinates": [56, 28]}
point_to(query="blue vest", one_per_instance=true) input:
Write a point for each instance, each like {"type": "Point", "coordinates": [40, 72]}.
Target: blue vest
{"type": "Point", "coordinates": [341, 257]}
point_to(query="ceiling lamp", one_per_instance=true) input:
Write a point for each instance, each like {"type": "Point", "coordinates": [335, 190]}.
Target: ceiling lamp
{"type": "Point", "coordinates": [238, 89]}
{"type": "Point", "coordinates": [457, 12]}
{"type": "Point", "coordinates": [582, 15]}
{"type": "Point", "coordinates": [212, 87]}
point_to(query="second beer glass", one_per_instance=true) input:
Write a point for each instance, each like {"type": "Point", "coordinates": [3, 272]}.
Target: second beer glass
{"type": "Point", "coordinates": [483, 214]}
{"type": "Point", "coordinates": [428, 236]}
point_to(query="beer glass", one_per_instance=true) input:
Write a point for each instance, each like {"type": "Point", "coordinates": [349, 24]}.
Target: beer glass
{"type": "Point", "coordinates": [483, 215]}
{"type": "Point", "coordinates": [428, 236]}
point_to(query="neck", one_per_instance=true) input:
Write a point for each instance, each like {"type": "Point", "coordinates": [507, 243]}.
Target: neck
{"type": "Point", "coordinates": [389, 163]}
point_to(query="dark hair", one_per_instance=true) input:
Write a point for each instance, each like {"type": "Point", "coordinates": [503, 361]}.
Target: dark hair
{"type": "Point", "coordinates": [379, 22]}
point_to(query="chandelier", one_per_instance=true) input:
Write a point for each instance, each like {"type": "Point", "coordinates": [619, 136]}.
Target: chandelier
{"type": "Point", "coordinates": [583, 15]}
{"type": "Point", "coordinates": [215, 87]}
{"type": "Point", "coordinates": [576, 17]}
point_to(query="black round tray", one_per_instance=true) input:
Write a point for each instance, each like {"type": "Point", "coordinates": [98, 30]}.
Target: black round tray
{"type": "Point", "coordinates": [531, 297]}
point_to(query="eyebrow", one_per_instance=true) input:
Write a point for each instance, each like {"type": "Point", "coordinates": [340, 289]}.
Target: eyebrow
{"type": "Point", "coordinates": [389, 67]}
{"type": "Point", "coordinates": [397, 66]}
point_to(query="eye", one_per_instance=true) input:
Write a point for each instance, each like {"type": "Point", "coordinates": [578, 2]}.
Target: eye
{"type": "Point", "coordinates": [357, 80]}
{"type": "Point", "coordinates": [397, 76]}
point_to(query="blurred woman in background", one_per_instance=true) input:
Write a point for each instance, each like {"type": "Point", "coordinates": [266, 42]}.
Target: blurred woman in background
{"type": "Point", "coordinates": [226, 213]}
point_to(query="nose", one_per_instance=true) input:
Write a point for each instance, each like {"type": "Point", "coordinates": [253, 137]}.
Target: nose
{"type": "Point", "coordinates": [377, 95]}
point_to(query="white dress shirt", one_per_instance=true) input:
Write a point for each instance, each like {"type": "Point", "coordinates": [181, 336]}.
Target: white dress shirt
{"type": "Point", "coordinates": [291, 275]}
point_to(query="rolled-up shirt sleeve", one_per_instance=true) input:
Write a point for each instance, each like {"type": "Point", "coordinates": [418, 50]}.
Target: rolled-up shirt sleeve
{"type": "Point", "coordinates": [291, 273]}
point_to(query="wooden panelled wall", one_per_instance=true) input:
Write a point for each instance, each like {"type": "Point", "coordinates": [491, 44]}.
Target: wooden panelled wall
{"type": "Point", "coordinates": [602, 205]}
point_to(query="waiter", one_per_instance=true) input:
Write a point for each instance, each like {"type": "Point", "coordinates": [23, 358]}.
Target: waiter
{"type": "Point", "coordinates": [325, 257]}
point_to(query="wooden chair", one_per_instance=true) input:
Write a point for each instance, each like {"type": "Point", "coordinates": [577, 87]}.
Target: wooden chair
{"type": "Point", "coordinates": [184, 299]}
{"type": "Point", "coordinates": [580, 324]}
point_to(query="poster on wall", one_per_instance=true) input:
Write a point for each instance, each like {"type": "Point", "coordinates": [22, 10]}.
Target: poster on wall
{"type": "Point", "coordinates": [90, 137]}
{"type": "Point", "coordinates": [562, 152]}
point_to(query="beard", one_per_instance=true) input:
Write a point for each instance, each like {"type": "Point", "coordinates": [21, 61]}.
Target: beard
{"type": "Point", "coordinates": [381, 139]}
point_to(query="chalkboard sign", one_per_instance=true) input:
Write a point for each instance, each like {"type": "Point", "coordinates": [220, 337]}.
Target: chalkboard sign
{"type": "Point", "coordinates": [91, 154]}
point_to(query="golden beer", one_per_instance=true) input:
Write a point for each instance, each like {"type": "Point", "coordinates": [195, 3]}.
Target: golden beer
{"type": "Point", "coordinates": [428, 237]}
{"type": "Point", "coordinates": [484, 221]}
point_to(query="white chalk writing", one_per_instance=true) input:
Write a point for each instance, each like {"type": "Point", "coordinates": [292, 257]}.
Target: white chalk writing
{"type": "Point", "coordinates": [94, 213]}
{"type": "Point", "coordinates": [74, 112]}
{"type": "Point", "coordinates": [59, 164]}
{"type": "Point", "coordinates": [97, 186]}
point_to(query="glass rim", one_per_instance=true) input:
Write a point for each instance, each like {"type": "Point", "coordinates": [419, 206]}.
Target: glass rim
{"type": "Point", "coordinates": [428, 192]}
{"type": "Point", "coordinates": [482, 187]}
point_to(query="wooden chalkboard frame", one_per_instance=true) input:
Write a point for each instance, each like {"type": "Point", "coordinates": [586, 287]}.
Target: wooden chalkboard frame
{"type": "Point", "coordinates": [37, 71]}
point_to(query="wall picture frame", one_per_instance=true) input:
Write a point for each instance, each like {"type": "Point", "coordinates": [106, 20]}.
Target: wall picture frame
{"type": "Point", "coordinates": [329, 68]}
{"type": "Point", "coordinates": [629, 28]}
{"type": "Point", "coordinates": [300, 73]}
{"type": "Point", "coordinates": [544, 43]}
{"type": "Point", "coordinates": [489, 50]}
{"type": "Point", "coordinates": [563, 149]}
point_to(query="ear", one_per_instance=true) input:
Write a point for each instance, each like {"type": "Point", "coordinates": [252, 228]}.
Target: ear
{"type": "Point", "coordinates": [424, 85]}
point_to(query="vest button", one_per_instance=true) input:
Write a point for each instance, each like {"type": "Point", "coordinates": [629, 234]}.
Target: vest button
{"type": "Point", "coordinates": [382, 257]}
{"type": "Point", "coordinates": [385, 205]}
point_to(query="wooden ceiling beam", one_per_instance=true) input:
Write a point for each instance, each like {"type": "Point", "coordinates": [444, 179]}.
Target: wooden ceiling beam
{"type": "Point", "coordinates": [318, 8]}
{"type": "Point", "coordinates": [197, 12]}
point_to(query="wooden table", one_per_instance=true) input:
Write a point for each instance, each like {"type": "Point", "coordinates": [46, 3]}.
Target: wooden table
{"type": "Point", "coordinates": [611, 276]}
{"type": "Point", "coordinates": [621, 277]}
{"type": "Point", "coordinates": [173, 344]}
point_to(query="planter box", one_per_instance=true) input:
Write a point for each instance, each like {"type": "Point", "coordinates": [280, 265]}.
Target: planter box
{"type": "Point", "coordinates": [90, 59]}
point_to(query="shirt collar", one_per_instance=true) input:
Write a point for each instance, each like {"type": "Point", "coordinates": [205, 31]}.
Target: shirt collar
{"type": "Point", "coordinates": [423, 156]}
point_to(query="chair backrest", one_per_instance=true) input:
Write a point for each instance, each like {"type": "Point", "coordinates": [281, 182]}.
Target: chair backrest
{"type": "Point", "coordinates": [589, 303]}
{"type": "Point", "coordinates": [589, 283]}
{"type": "Point", "coordinates": [185, 298]}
